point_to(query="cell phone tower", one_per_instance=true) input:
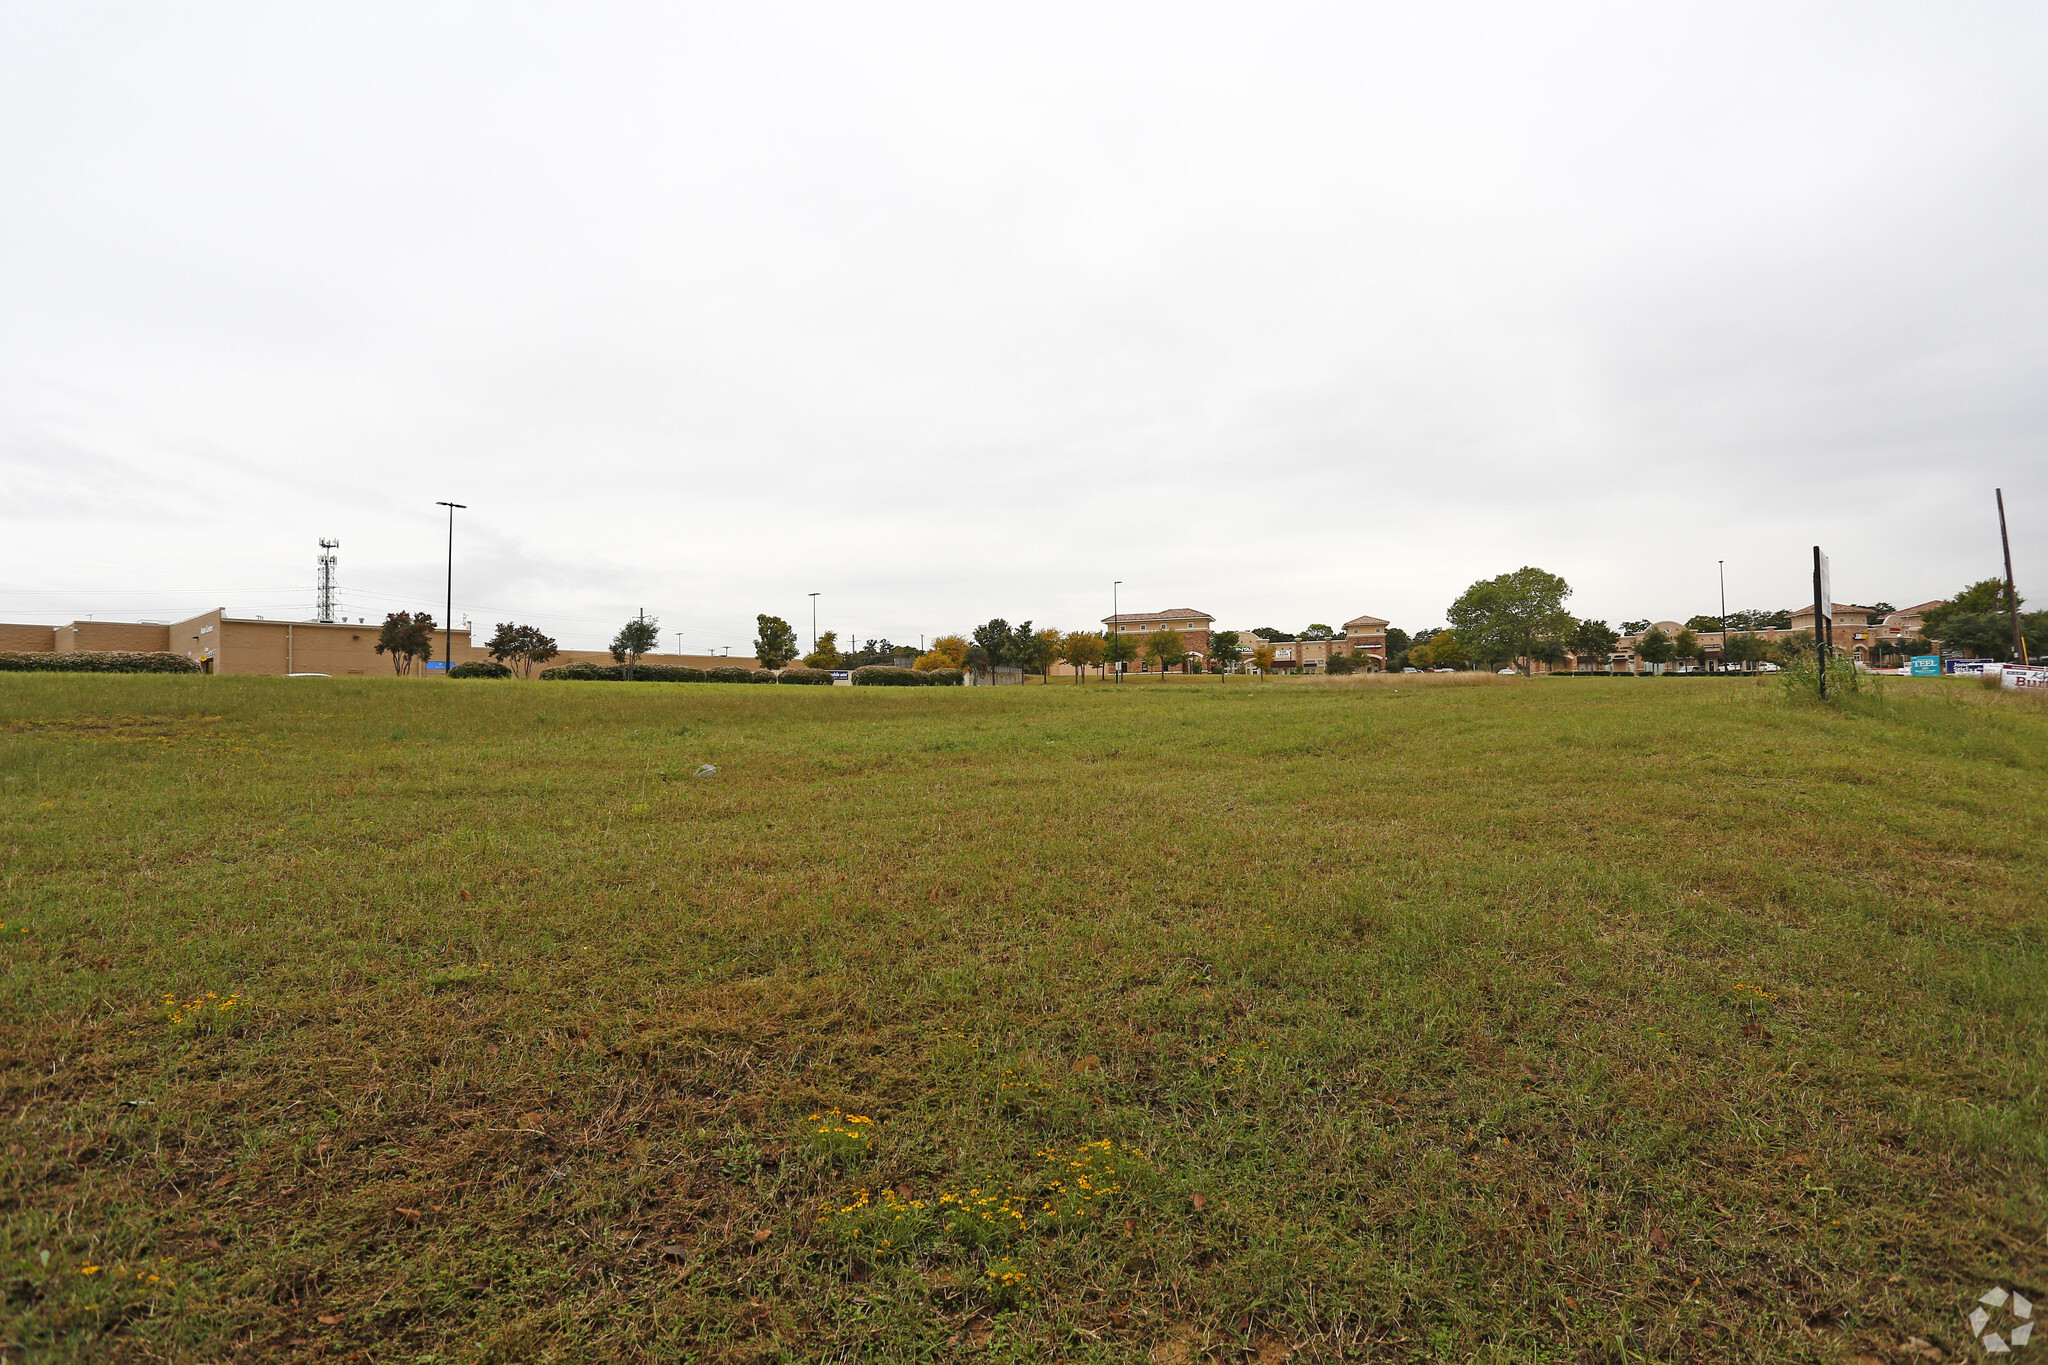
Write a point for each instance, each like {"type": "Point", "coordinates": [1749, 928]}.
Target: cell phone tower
{"type": "Point", "coordinates": [327, 549]}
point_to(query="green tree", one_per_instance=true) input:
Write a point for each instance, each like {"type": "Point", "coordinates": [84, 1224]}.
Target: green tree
{"type": "Point", "coordinates": [1317, 632]}
{"type": "Point", "coordinates": [1119, 647]}
{"type": "Point", "coordinates": [1503, 618]}
{"type": "Point", "coordinates": [1397, 649]}
{"type": "Point", "coordinates": [825, 654]}
{"type": "Point", "coordinates": [774, 642]}
{"type": "Point", "coordinates": [1592, 639]}
{"type": "Point", "coordinates": [1271, 634]}
{"type": "Point", "coordinates": [995, 639]}
{"type": "Point", "coordinates": [1226, 648]}
{"type": "Point", "coordinates": [1745, 649]}
{"type": "Point", "coordinates": [1706, 623]}
{"type": "Point", "coordinates": [523, 646]}
{"type": "Point", "coordinates": [1634, 627]}
{"type": "Point", "coordinates": [406, 638]}
{"type": "Point", "coordinates": [1263, 657]}
{"type": "Point", "coordinates": [1165, 647]}
{"type": "Point", "coordinates": [637, 637]}
{"type": "Point", "coordinates": [1685, 645]}
{"type": "Point", "coordinates": [1975, 622]}
{"type": "Point", "coordinates": [1653, 646]}
{"type": "Point", "coordinates": [1031, 650]}
{"type": "Point", "coordinates": [1083, 649]}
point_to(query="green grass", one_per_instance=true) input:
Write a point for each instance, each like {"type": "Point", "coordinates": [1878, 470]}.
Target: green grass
{"type": "Point", "coordinates": [1461, 1019]}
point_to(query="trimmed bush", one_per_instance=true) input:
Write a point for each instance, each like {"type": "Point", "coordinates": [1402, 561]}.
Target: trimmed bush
{"type": "Point", "coordinates": [93, 661]}
{"type": "Point", "coordinates": [672, 673]}
{"type": "Point", "coordinates": [882, 675]}
{"type": "Point", "coordinates": [762, 675]}
{"type": "Point", "coordinates": [946, 677]}
{"type": "Point", "coordinates": [729, 673]}
{"type": "Point", "coordinates": [579, 673]}
{"type": "Point", "coordinates": [480, 668]}
{"type": "Point", "coordinates": [807, 677]}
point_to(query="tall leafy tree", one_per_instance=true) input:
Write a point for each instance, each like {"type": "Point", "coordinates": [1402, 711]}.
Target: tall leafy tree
{"type": "Point", "coordinates": [1166, 647]}
{"type": "Point", "coordinates": [1653, 646]}
{"type": "Point", "coordinates": [1263, 658]}
{"type": "Point", "coordinates": [1032, 650]}
{"type": "Point", "coordinates": [774, 641]}
{"type": "Point", "coordinates": [1634, 627]}
{"type": "Point", "coordinates": [1272, 634]}
{"type": "Point", "coordinates": [1083, 649]}
{"type": "Point", "coordinates": [1119, 647]}
{"type": "Point", "coordinates": [826, 654]}
{"type": "Point", "coordinates": [1397, 649]}
{"type": "Point", "coordinates": [1503, 618]}
{"type": "Point", "coordinates": [1685, 645]}
{"type": "Point", "coordinates": [993, 636]}
{"type": "Point", "coordinates": [406, 637]}
{"type": "Point", "coordinates": [948, 651]}
{"type": "Point", "coordinates": [1744, 648]}
{"type": "Point", "coordinates": [1707, 623]}
{"type": "Point", "coordinates": [1975, 622]}
{"type": "Point", "coordinates": [522, 646]}
{"type": "Point", "coordinates": [637, 637]}
{"type": "Point", "coordinates": [1226, 648]}
{"type": "Point", "coordinates": [1592, 639]}
{"type": "Point", "coordinates": [1318, 631]}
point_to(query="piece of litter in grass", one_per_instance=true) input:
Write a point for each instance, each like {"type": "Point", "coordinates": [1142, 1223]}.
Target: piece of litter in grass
{"type": "Point", "coordinates": [708, 770]}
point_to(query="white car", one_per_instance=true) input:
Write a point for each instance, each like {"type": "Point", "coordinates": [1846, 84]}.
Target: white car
{"type": "Point", "coordinates": [1507, 672]}
{"type": "Point", "coordinates": [1767, 668]}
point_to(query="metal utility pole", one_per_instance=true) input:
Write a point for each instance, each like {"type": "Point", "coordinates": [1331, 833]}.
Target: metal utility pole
{"type": "Point", "coordinates": [325, 612]}
{"type": "Point", "coordinates": [448, 621]}
{"type": "Point", "coordinates": [2012, 598]}
{"type": "Point", "coordinates": [1116, 626]}
{"type": "Point", "coordinates": [814, 623]}
{"type": "Point", "coordinates": [1722, 564]}
{"type": "Point", "coordinates": [1823, 610]}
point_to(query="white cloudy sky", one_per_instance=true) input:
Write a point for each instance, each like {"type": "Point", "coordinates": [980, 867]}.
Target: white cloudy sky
{"type": "Point", "coordinates": [1286, 312]}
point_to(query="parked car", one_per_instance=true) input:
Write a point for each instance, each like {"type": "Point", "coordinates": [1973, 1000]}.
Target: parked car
{"type": "Point", "coordinates": [1767, 668]}
{"type": "Point", "coordinates": [1506, 672]}
{"type": "Point", "coordinates": [1411, 670]}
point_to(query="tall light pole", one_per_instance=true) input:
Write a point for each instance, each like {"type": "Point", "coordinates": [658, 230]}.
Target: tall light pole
{"type": "Point", "coordinates": [2012, 597]}
{"type": "Point", "coordinates": [448, 621]}
{"type": "Point", "coordinates": [1722, 564]}
{"type": "Point", "coordinates": [1116, 626]}
{"type": "Point", "coordinates": [814, 623]}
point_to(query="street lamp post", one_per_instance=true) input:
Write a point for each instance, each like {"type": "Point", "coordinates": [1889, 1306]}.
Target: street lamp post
{"type": "Point", "coordinates": [1116, 626]}
{"type": "Point", "coordinates": [1722, 564]}
{"type": "Point", "coordinates": [814, 623]}
{"type": "Point", "coordinates": [448, 621]}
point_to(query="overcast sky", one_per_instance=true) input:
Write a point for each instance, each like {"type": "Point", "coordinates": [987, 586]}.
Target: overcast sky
{"type": "Point", "coordinates": [1283, 312]}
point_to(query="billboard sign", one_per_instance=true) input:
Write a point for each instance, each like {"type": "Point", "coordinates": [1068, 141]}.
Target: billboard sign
{"type": "Point", "coordinates": [2034, 678]}
{"type": "Point", "coordinates": [1972, 667]}
{"type": "Point", "coordinates": [1926, 665]}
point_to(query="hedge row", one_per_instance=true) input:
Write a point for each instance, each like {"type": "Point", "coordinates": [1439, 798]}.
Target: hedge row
{"type": "Point", "coordinates": [93, 661]}
{"type": "Point", "coordinates": [881, 675]}
{"type": "Point", "coordinates": [480, 668]}
{"type": "Point", "coordinates": [874, 676]}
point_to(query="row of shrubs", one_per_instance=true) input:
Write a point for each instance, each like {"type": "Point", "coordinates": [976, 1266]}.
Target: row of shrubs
{"type": "Point", "coordinates": [877, 676]}
{"type": "Point", "coordinates": [93, 661]}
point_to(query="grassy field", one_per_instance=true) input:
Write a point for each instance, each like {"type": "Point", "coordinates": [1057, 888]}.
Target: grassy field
{"type": "Point", "coordinates": [1459, 1019]}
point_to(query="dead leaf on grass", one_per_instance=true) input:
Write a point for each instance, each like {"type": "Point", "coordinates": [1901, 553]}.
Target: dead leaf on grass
{"type": "Point", "coordinates": [1926, 1350]}
{"type": "Point", "coordinates": [1089, 1063]}
{"type": "Point", "coordinates": [413, 1214]}
{"type": "Point", "coordinates": [330, 1319]}
{"type": "Point", "coordinates": [1199, 1201]}
{"type": "Point", "coordinates": [536, 1121]}
{"type": "Point", "coordinates": [762, 1234]}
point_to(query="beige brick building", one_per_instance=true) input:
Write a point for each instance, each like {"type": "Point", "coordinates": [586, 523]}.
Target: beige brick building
{"type": "Point", "coordinates": [220, 643]}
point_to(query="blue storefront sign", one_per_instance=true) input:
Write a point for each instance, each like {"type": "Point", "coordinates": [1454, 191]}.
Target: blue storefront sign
{"type": "Point", "coordinates": [1926, 665]}
{"type": "Point", "coordinates": [437, 665]}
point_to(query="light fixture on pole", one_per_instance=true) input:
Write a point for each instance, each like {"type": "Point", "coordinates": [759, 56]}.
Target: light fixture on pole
{"type": "Point", "coordinates": [448, 621]}
{"type": "Point", "coordinates": [1722, 565]}
{"type": "Point", "coordinates": [1116, 626]}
